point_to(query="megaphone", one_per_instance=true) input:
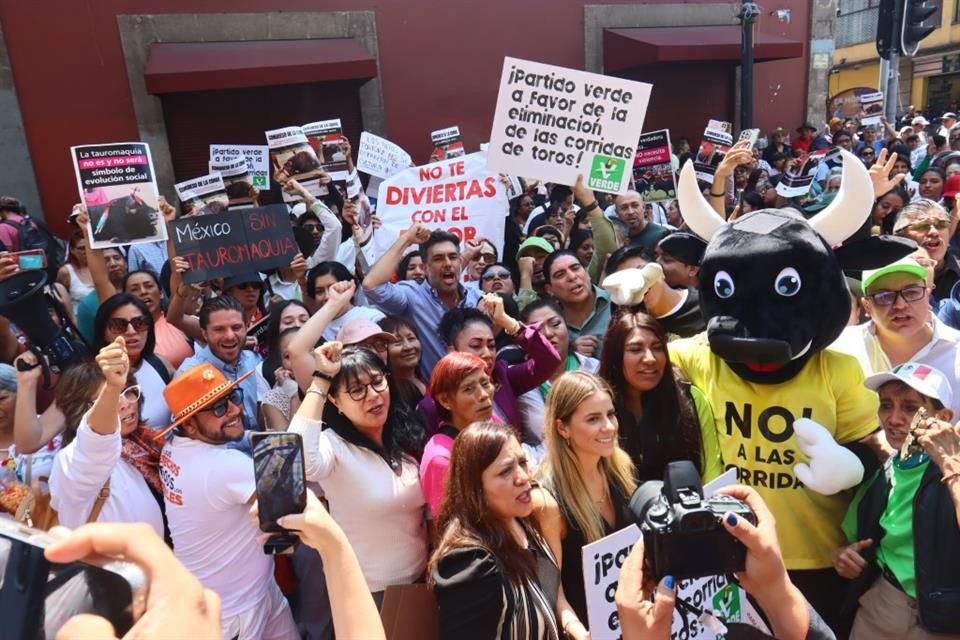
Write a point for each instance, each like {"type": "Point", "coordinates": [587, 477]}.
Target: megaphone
{"type": "Point", "coordinates": [23, 302]}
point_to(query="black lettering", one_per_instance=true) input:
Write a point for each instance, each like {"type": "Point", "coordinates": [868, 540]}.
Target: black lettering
{"type": "Point", "coordinates": [731, 416]}
{"type": "Point", "coordinates": [765, 427]}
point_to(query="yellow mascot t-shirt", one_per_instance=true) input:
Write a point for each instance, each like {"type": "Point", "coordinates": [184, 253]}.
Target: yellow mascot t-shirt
{"type": "Point", "coordinates": [755, 429]}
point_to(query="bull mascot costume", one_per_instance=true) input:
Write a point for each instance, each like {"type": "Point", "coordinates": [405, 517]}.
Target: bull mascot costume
{"type": "Point", "coordinates": [792, 416]}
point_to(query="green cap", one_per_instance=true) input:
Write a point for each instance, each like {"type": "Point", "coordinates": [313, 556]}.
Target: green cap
{"type": "Point", "coordinates": [903, 265]}
{"type": "Point", "coordinates": [535, 243]}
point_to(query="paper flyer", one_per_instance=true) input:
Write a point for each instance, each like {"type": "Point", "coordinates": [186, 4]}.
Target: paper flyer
{"type": "Point", "coordinates": [118, 184]}
{"type": "Point", "coordinates": [326, 139]}
{"type": "Point", "coordinates": [203, 195]}
{"type": "Point", "coordinates": [291, 156]}
{"type": "Point", "coordinates": [258, 159]}
{"type": "Point", "coordinates": [379, 157]}
{"type": "Point", "coordinates": [237, 180]}
{"type": "Point", "coordinates": [717, 140]}
{"type": "Point", "coordinates": [446, 144]}
{"type": "Point", "coordinates": [553, 123]}
{"type": "Point", "coordinates": [871, 108]}
{"type": "Point", "coordinates": [653, 176]}
{"type": "Point", "coordinates": [796, 181]}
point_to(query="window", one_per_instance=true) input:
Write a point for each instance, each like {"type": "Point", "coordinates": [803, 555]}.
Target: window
{"type": "Point", "coordinates": [857, 21]}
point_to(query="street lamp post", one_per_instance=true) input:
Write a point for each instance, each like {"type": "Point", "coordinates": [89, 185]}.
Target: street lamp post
{"type": "Point", "coordinates": [749, 11]}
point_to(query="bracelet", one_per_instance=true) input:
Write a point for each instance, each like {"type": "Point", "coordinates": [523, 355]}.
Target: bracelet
{"type": "Point", "coordinates": [516, 331]}
{"type": "Point", "coordinates": [717, 195]}
{"type": "Point", "coordinates": [590, 207]}
{"type": "Point", "coordinates": [322, 394]}
{"type": "Point", "coordinates": [323, 376]}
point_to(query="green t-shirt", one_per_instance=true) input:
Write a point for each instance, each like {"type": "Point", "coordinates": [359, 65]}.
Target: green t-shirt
{"type": "Point", "coordinates": [896, 547]}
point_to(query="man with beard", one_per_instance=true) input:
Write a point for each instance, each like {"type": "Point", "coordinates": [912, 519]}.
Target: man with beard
{"type": "Point", "coordinates": [208, 489]}
{"type": "Point", "coordinates": [225, 332]}
{"type": "Point", "coordinates": [422, 304]}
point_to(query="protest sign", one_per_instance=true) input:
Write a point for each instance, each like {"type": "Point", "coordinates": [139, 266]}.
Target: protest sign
{"type": "Point", "coordinates": [460, 196]}
{"type": "Point", "coordinates": [601, 573]}
{"type": "Point", "coordinates": [258, 159]}
{"type": "Point", "coordinates": [653, 169]}
{"type": "Point", "coordinates": [236, 180]}
{"type": "Point", "coordinates": [446, 144]}
{"type": "Point", "coordinates": [871, 108]}
{"type": "Point", "coordinates": [717, 140]}
{"type": "Point", "coordinates": [291, 156]}
{"type": "Point", "coordinates": [326, 139]}
{"type": "Point", "coordinates": [379, 157]}
{"type": "Point", "coordinates": [117, 183]}
{"type": "Point", "coordinates": [554, 123]}
{"type": "Point", "coordinates": [203, 195]}
{"type": "Point", "coordinates": [796, 181]}
{"type": "Point", "coordinates": [221, 244]}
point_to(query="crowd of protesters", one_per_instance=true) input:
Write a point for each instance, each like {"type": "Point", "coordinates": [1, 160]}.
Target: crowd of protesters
{"type": "Point", "coordinates": [472, 417]}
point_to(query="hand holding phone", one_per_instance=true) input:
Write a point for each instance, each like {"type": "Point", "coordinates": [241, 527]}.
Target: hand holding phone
{"type": "Point", "coordinates": [281, 484]}
{"type": "Point", "coordinates": [33, 259]}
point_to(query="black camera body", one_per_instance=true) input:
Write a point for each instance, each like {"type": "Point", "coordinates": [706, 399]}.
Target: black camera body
{"type": "Point", "coordinates": [683, 534]}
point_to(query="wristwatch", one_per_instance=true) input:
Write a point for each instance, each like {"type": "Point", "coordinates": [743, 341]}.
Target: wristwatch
{"type": "Point", "coordinates": [323, 376]}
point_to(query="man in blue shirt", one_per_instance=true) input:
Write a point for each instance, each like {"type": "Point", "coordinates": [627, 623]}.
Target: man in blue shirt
{"type": "Point", "coordinates": [422, 304]}
{"type": "Point", "coordinates": [224, 331]}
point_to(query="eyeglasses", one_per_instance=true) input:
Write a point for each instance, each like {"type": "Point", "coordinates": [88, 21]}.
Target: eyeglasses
{"type": "Point", "coordinates": [140, 324]}
{"type": "Point", "coordinates": [487, 258]}
{"type": "Point", "coordinates": [912, 293]}
{"type": "Point", "coordinates": [310, 227]}
{"type": "Point", "coordinates": [924, 226]}
{"type": "Point", "coordinates": [219, 408]}
{"type": "Point", "coordinates": [379, 384]}
{"type": "Point", "coordinates": [131, 394]}
{"type": "Point", "coordinates": [499, 275]}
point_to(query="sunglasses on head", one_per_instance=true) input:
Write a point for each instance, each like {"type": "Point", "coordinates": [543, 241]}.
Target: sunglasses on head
{"type": "Point", "coordinates": [219, 408]}
{"type": "Point", "coordinates": [140, 324]}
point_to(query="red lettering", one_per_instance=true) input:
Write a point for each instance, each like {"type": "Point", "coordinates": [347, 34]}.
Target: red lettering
{"type": "Point", "coordinates": [491, 187]}
{"type": "Point", "coordinates": [395, 195]}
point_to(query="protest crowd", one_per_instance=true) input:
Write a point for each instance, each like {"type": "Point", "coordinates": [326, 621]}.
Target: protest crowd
{"type": "Point", "coordinates": [476, 408]}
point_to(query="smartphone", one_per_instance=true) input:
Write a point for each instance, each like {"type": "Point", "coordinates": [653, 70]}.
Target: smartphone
{"type": "Point", "coordinates": [750, 134]}
{"type": "Point", "coordinates": [281, 485]}
{"type": "Point", "coordinates": [33, 259]}
{"type": "Point", "coordinates": [37, 597]}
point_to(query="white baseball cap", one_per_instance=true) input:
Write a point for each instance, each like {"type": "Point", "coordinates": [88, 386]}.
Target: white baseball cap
{"type": "Point", "coordinates": [922, 378]}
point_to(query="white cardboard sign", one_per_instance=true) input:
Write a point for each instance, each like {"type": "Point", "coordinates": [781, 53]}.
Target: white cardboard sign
{"type": "Point", "coordinates": [379, 157]}
{"type": "Point", "coordinates": [257, 155]}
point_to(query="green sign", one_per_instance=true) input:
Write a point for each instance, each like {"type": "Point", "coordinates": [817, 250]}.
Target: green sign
{"type": "Point", "coordinates": [606, 173]}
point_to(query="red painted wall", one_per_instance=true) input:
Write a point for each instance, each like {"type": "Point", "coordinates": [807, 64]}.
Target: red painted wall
{"type": "Point", "coordinates": [440, 65]}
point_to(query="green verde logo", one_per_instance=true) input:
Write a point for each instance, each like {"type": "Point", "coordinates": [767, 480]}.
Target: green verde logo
{"type": "Point", "coordinates": [606, 173]}
{"type": "Point", "coordinates": [726, 603]}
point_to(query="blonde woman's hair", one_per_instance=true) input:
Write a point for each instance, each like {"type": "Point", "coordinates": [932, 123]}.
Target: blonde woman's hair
{"type": "Point", "coordinates": [560, 470]}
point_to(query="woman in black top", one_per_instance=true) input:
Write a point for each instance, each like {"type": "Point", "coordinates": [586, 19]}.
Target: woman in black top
{"type": "Point", "coordinates": [587, 479]}
{"type": "Point", "coordinates": [493, 576]}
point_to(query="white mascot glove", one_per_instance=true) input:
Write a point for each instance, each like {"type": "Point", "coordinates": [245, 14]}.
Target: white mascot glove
{"type": "Point", "coordinates": [832, 467]}
{"type": "Point", "coordinates": [627, 287]}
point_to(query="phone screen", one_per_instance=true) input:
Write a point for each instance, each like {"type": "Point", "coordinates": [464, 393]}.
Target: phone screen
{"type": "Point", "coordinates": [31, 259]}
{"type": "Point", "coordinates": [281, 480]}
{"type": "Point", "coordinates": [46, 595]}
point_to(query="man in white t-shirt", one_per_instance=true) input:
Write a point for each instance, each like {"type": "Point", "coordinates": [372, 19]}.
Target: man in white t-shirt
{"type": "Point", "coordinates": [208, 490]}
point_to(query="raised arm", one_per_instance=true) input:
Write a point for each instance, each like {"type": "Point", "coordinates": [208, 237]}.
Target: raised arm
{"type": "Point", "coordinates": [305, 340]}
{"type": "Point", "coordinates": [382, 271]}
{"type": "Point", "coordinates": [180, 292]}
{"type": "Point", "coordinates": [95, 261]}
{"type": "Point", "coordinates": [32, 431]}
{"type": "Point", "coordinates": [738, 154]}
{"type": "Point", "coordinates": [542, 359]}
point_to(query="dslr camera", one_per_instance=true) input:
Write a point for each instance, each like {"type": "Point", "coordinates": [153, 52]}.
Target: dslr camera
{"type": "Point", "coordinates": [683, 534]}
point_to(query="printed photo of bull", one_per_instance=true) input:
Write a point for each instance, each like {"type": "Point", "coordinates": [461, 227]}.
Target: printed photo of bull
{"type": "Point", "coordinates": [130, 215]}
{"type": "Point", "coordinates": [298, 161]}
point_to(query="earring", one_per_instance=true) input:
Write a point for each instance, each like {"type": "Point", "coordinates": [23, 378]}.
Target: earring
{"type": "Point", "coordinates": [567, 441]}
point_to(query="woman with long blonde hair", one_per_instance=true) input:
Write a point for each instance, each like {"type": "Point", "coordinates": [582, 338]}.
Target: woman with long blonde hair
{"type": "Point", "coordinates": [586, 482]}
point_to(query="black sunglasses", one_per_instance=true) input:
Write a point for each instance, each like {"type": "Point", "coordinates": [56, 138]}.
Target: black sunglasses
{"type": "Point", "coordinates": [219, 408]}
{"type": "Point", "coordinates": [140, 324]}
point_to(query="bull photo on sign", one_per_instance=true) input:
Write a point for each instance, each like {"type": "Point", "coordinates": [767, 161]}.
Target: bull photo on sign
{"type": "Point", "coordinates": [124, 214]}
{"type": "Point", "coordinates": [298, 161]}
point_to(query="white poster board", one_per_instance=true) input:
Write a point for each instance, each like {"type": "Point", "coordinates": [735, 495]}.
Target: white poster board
{"type": "Point", "coordinates": [379, 157]}
{"type": "Point", "coordinates": [553, 123]}
{"type": "Point", "coordinates": [257, 155]}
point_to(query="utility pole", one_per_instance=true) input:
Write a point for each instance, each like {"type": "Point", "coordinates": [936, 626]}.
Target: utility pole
{"type": "Point", "coordinates": [900, 28]}
{"type": "Point", "coordinates": [749, 12]}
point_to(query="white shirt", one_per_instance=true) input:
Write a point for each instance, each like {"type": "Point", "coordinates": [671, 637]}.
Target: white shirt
{"type": "Point", "coordinates": [206, 488]}
{"type": "Point", "coordinates": [356, 313]}
{"type": "Point", "coordinates": [81, 469]}
{"type": "Point", "coordinates": [381, 513]}
{"type": "Point", "coordinates": [942, 352]}
{"type": "Point", "coordinates": [155, 411]}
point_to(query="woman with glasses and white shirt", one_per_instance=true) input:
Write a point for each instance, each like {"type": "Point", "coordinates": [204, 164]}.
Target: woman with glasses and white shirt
{"type": "Point", "coordinates": [108, 469]}
{"type": "Point", "coordinates": [352, 436]}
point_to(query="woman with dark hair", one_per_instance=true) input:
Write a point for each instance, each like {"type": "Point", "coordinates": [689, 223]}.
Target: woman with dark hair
{"type": "Point", "coordinates": [411, 267]}
{"type": "Point", "coordinates": [282, 399]}
{"type": "Point", "coordinates": [551, 233]}
{"type": "Point", "coordinates": [404, 359]}
{"type": "Point", "coordinates": [172, 343]}
{"type": "Point", "coordinates": [319, 281]}
{"type": "Point", "coordinates": [355, 445]}
{"type": "Point", "coordinates": [472, 331]}
{"type": "Point", "coordinates": [661, 418]}
{"type": "Point", "coordinates": [75, 275]}
{"type": "Point", "coordinates": [492, 573]}
{"type": "Point", "coordinates": [581, 243]}
{"type": "Point", "coordinates": [751, 201]}
{"type": "Point", "coordinates": [931, 184]}
{"type": "Point", "coordinates": [886, 208]}
{"type": "Point", "coordinates": [126, 315]}
{"type": "Point", "coordinates": [496, 278]}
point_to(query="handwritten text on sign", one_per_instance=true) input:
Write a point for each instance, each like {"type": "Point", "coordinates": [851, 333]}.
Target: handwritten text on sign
{"type": "Point", "coordinates": [222, 244]}
{"type": "Point", "coordinates": [458, 195]}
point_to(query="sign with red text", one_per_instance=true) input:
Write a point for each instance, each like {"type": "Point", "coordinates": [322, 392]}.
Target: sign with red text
{"type": "Point", "coordinates": [554, 123]}
{"type": "Point", "coordinates": [221, 244]}
{"type": "Point", "coordinates": [653, 168]}
{"type": "Point", "coordinates": [459, 195]}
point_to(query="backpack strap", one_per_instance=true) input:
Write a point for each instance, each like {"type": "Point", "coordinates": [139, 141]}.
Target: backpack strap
{"type": "Point", "coordinates": [99, 502]}
{"type": "Point", "coordinates": [157, 364]}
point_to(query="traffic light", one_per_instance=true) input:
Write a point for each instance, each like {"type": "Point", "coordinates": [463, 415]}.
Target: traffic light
{"type": "Point", "coordinates": [887, 33]}
{"type": "Point", "coordinates": [912, 29]}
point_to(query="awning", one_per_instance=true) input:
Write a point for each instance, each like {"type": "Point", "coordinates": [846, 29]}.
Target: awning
{"type": "Point", "coordinates": [203, 66]}
{"type": "Point", "coordinates": [628, 48]}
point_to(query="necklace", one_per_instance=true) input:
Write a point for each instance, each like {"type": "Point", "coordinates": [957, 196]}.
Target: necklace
{"type": "Point", "coordinates": [603, 495]}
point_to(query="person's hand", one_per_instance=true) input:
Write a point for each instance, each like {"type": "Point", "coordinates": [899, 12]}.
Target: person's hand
{"type": "Point", "coordinates": [586, 345]}
{"type": "Point", "coordinates": [33, 372]}
{"type": "Point", "coordinates": [299, 267]}
{"type": "Point", "coordinates": [281, 375]}
{"type": "Point", "coordinates": [526, 263]}
{"type": "Point", "coordinates": [351, 214]}
{"type": "Point", "coordinates": [764, 566]}
{"type": "Point", "coordinates": [324, 177]}
{"type": "Point", "coordinates": [492, 305]}
{"type": "Point", "coordinates": [847, 561]}
{"type": "Point", "coordinates": [250, 343]}
{"type": "Point", "coordinates": [339, 294]}
{"type": "Point", "coordinates": [315, 527]}
{"type": "Point", "coordinates": [471, 249]}
{"type": "Point", "coordinates": [294, 188]}
{"type": "Point", "coordinates": [327, 358]}
{"type": "Point", "coordinates": [377, 223]}
{"type": "Point", "coordinates": [880, 174]}
{"type": "Point", "coordinates": [416, 234]}
{"type": "Point", "coordinates": [167, 210]}
{"type": "Point", "coordinates": [114, 363]}
{"type": "Point", "coordinates": [831, 467]}
{"type": "Point", "coordinates": [740, 153]}
{"type": "Point", "coordinates": [580, 191]}
{"type": "Point", "coordinates": [177, 606]}
{"type": "Point", "coordinates": [9, 265]}
{"type": "Point", "coordinates": [641, 619]}
{"type": "Point", "coordinates": [347, 149]}
{"type": "Point", "coordinates": [941, 441]}
{"type": "Point", "coordinates": [569, 217]}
